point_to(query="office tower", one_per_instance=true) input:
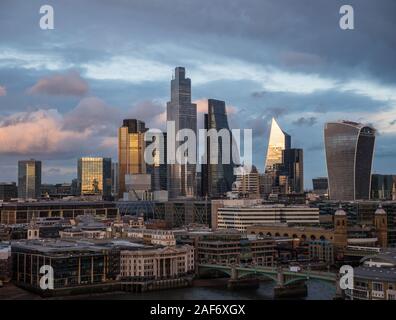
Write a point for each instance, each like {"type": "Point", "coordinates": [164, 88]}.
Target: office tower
{"type": "Point", "coordinates": [320, 185]}
{"type": "Point", "coordinates": [349, 155]}
{"type": "Point", "coordinates": [114, 179]}
{"type": "Point", "coordinates": [181, 177]}
{"type": "Point", "coordinates": [247, 184]}
{"type": "Point", "coordinates": [382, 186]}
{"type": "Point", "coordinates": [293, 163]}
{"type": "Point", "coordinates": [131, 146]}
{"type": "Point", "coordinates": [29, 179]}
{"type": "Point", "coordinates": [278, 141]}
{"type": "Point", "coordinates": [158, 170]}
{"type": "Point", "coordinates": [220, 174]}
{"type": "Point", "coordinates": [94, 176]}
{"type": "Point", "coordinates": [8, 191]}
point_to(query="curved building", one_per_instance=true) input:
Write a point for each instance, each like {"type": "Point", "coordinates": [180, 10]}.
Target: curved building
{"type": "Point", "coordinates": [349, 155]}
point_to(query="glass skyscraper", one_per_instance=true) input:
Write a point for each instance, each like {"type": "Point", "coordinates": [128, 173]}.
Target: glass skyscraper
{"type": "Point", "coordinates": [349, 155]}
{"type": "Point", "coordinates": [293, 162]}
{"type": "Point", "coordinates": [131, 146]}
{"type": "Point", "coordinates": [94, 176]}
{"type": "Point", "coordinates": [278, 141]}
{"type": "Point", "coordinates": [29, 179]}
{"type": "Point", "coordinates": [181, 177]}
{"type": "Point", "coordinates": [219, 176]}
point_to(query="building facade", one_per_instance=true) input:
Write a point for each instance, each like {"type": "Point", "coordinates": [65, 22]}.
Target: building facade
{"type": "Point", "coordinates": [29, 179]}
{"type": "Point", "coordinates": [278, 141]}
{"type": "Point", "coordinates": [293, 162]}
{"type": "Point", "coordinates": [219, 162]}
{"type": "Point", "coordinates": [183, 113]}
{"type": "Point", "coordinates": [131, 147]}
{"type": "Point", "coordinates": [349, 155]}
{"type": "Point", "coordinates": [94, 176]}
{"type": "Point", "coordinates": [8, 191]}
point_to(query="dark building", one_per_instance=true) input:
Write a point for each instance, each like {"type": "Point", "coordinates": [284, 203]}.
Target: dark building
{"type": "Point", "coordinates": [349, 156]}
{"type": "Point", "coordinates": [8, 191]}
{"type": "Point", "coordinates": [218, 172]}
{"type": "Point", "coordinates": [382, 186]}
{"type": "Point", "coordinates": [293, 162]}
{"type": "Point", "coordinates": [180, 110]}
{"type": "Point", "coordinates": [158, 170]}
{"type": "Point", "coordinates": [320, 185]}
{"type": "Point", "coordinates": [29, 179]}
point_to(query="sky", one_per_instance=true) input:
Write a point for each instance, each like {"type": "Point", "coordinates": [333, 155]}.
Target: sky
{"type": "Point", "coordinates": [64, 92]}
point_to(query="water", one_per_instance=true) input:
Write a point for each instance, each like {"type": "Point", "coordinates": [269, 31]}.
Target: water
{"type": "Point", "coordinates": [317, 290]}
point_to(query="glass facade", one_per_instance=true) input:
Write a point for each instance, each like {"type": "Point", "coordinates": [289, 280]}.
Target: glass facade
{"type": "Point", "coordinates": [219, 177]}
{"type": "Point", "coordinates": [181, 177]}
{"type": "Point", "coordinates": [293, 161]}
{"type": "Point", "coordinates": [278, 141]}
{"type": "Point", "coordinates": [349, 154]}
{"type": "Point", "coordinates": [29, 179]}
{"type": "Point", "coordinates": [94, 176]}
{"type": "Point", "coordinates": [131, 148]}
{"type": "Point", "coordinates": [382, 186]}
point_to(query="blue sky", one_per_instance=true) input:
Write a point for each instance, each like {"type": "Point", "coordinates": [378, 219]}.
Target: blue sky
{"type": "Point", "coordinates": [64, 92]}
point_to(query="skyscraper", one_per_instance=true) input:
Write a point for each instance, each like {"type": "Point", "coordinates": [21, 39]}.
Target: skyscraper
{"type": "Point", "coordinates": [293, 162]}
{"type": "Point", "coordinates": [114, 179]}
{"type": "Point", "coordinates": [278, 141]}
{"type": "Point", "coordinates": [158, 170]}
{"type": "Point", "coordinates": [131, 146]}
{"type": "Point", "coordinates": [219, 176]}
{"type": "Point", "coordinates": [94, 176]}
{"type": "Point", "coordinates": [29, 179]}
{"type": "Point", "coordinates": [181, 177]}
{"type": "Point", "coordinates": [349, 155]}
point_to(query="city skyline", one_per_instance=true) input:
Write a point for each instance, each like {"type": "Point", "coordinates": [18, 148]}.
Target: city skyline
{"type": "Point", "coordinates": [80, 94]}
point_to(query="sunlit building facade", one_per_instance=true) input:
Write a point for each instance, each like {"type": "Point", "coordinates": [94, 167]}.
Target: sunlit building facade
{"type": "Point", "coordinates": [131, 146]}
{"type": "Point", "coordinates": [29, 179]}
{"type": "Point", "coordinates": [278, 141]}
{"type": "Point", "coordinates": [349, 155]}
{"type": "Point", "coordinates": [181, 177]}
{"type": "Point", "coordinates": [94, 176]}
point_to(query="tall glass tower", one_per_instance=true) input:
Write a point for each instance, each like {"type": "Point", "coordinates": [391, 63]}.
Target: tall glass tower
{"type": "Point", "coordinates": [219, 176]}
{"type": "Point", "coordinates": [131, 146]}
{"type": "Point", "coordinates": [29, 179]}
{"type": "Point", "coordinates": [181, 177]}
{"type": "Point", "coordinates": [278, 141]}
{"type": "Point", "coordinates": [349, 155]}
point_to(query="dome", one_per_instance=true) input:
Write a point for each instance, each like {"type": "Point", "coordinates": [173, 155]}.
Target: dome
{"type": "Point", "coordinates": [380, 210]}
{"type": "Point", "coordinates": [340, 211]}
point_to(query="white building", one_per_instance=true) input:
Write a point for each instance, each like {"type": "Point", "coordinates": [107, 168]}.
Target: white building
{"type": "Point", "coordinates": [157, 263]}
{"type": "Point", "coordinates": [240, 217]}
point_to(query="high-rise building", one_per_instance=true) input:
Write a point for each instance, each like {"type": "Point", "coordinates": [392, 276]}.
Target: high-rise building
{"type": "Point", "coordinates": [94, 176]}
{"type": "Point", "coordinates": [114, 179]}
{"type": "Point", "coordinates": [220, 175]}
{"type": "Point", "coordinates": [131, 146]}
{"type": "Point", "coordinates": [158, 169]}
{"type": "Point", "coordinates": [181, 177]}
{"type": "Point", "coordinates": [320, 185]}
{"type": "Point", "coordinates": [294, 168]}
{"type": "Point", "coordinates": [382, 186]}
{"type": "Point", "coordinates": [349, 155]}
{"type": "Point", "coordinates": [29, 179]}
{"type": "Point", "coordinates": [247, 183]}
{"type": "Point", "coordinates": [278, 141]}
{"type": "Point", "coordinates": [8, 191]}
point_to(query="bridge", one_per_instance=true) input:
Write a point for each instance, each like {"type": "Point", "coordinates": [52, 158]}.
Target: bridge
{"type": "Point", "coordinates": [282, 276]}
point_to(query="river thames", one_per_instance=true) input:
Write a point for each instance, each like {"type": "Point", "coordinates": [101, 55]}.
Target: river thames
{"type": "Point", "coordinates": [317, 290]}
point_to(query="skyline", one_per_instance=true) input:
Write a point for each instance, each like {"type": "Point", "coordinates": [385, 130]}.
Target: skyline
{"type": "Point", "coordinates": [262, 69]}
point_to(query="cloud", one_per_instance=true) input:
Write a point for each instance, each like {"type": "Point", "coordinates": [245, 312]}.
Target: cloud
{"type": "Point", "coordinates": [258, 94]}
{"type": "Point", "coordinates": [67, 84]}
{"type": "Point", "coordinates": [292, 59]}
{"type": "Point", "coordinates": [310, 121]}
{"type": "Point", "coordinates": [3, 91]}
{"type": "Point", "coordinates": [152, 112]}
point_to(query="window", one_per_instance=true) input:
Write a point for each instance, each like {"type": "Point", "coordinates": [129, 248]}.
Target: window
{"type": "Point", "coordinates": [377, 286]}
